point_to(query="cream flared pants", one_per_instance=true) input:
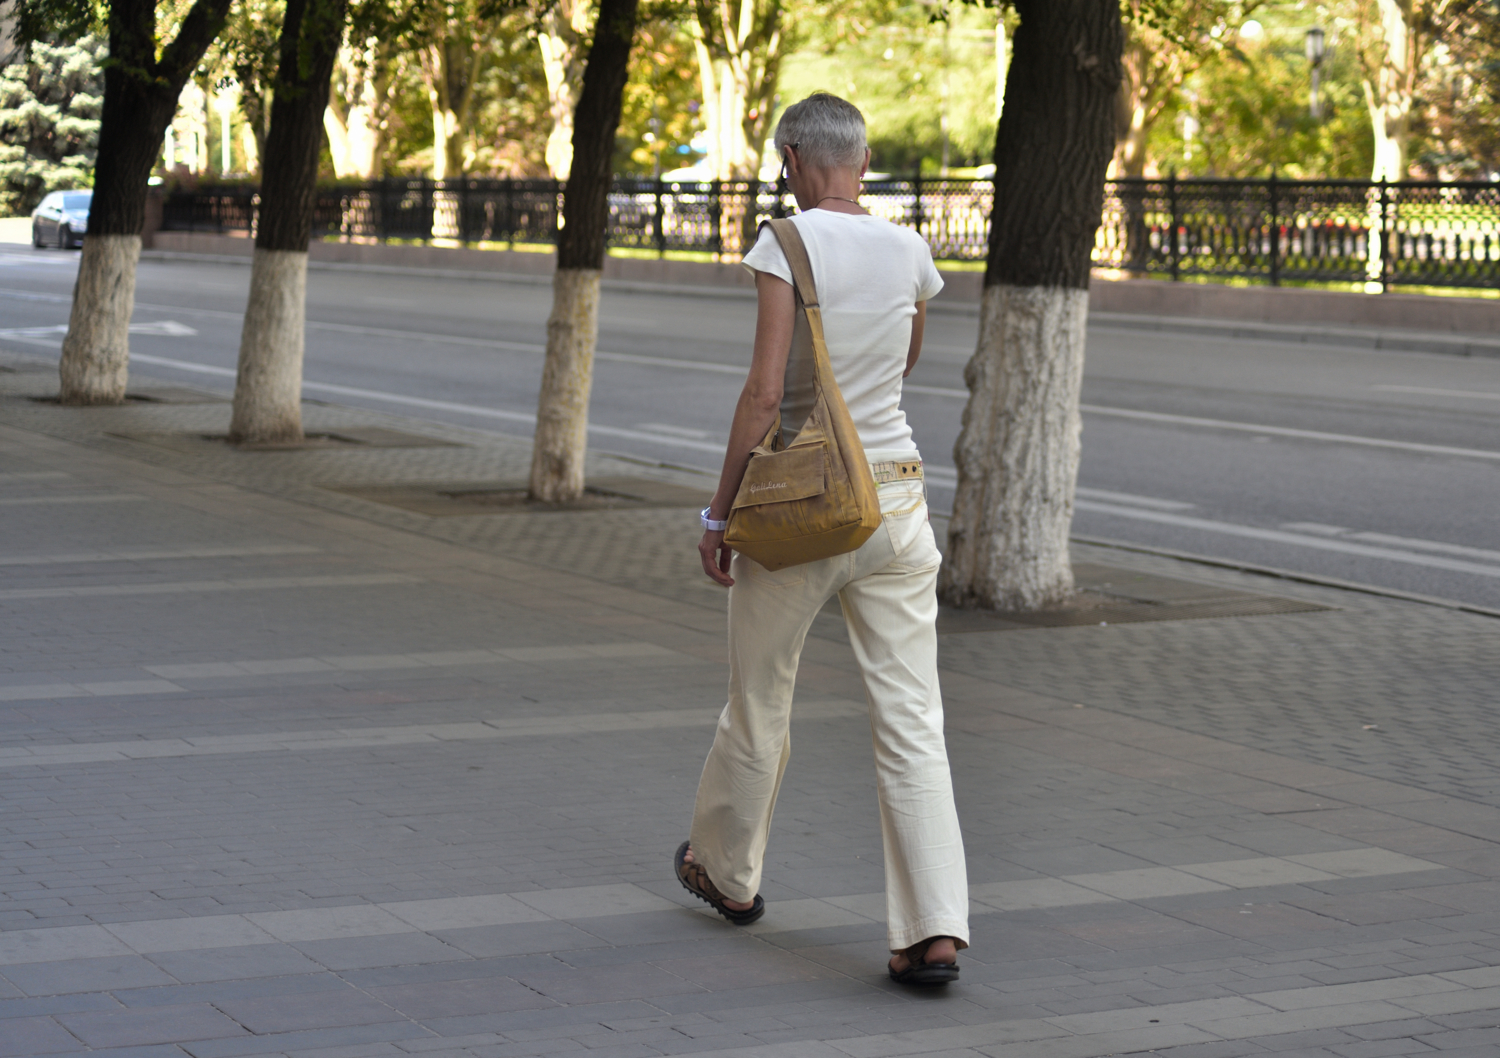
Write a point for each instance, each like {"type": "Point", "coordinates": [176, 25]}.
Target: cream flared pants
{"type": "Point", "coordinates": [888, 592]}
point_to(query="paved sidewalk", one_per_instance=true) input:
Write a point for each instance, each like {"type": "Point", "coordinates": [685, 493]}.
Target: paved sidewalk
{"type": "Point", "coordinates": [290, 770]}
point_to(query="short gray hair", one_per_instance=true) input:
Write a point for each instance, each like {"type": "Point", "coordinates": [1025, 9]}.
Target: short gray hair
{"type": "Point", "coordinates": [828, 132]}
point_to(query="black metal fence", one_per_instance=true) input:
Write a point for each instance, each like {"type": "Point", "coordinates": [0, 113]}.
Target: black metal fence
{"type": "Point", "coordinates": [1271, 231]}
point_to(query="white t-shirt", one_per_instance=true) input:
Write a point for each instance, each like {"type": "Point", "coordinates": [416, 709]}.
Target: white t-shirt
{"type": "Point", "coordinates": [870, 274]}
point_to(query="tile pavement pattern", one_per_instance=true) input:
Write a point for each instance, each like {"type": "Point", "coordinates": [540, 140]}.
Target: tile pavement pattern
{"type": "Point", "coordinates": [285, 772]}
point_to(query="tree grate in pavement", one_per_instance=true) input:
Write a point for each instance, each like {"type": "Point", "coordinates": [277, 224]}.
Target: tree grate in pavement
{"type": "Point", "coordinates": [1110, 595]}
{"type": "Point", "coordinates": [479, 498]}
{"type": "Point", "coordinates": [341, 438]}
{"type": "Point", "coordinates": [157, 395]}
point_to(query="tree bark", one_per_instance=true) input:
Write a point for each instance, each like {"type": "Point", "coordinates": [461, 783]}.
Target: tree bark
{"type": "Point", "coordinates": [268, 388]}
{"type": "Point", "coordinates": [358, 105]}
{"type": "Point", "coordinates": [557, 458]}
{"type": "Point", "coordinates": [1390, 85]}
{"type": "Point", "coordinates": [1017, 453]}
{"type": "Point", "coordinates": [739, 48]}
{"type": "Point", "coordinates": [140, 97]}
{"type": "Point", "coordinates": [564, 29]}
{"type": "Point", "coordinates": [450, 67]}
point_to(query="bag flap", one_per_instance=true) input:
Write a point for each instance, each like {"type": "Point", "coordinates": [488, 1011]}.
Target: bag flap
{"type": "Point", "coordinates": [794, 474]}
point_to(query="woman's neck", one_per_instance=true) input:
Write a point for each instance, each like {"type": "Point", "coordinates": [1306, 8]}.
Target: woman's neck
{"type": "Point", "coordinates": [836, 190]}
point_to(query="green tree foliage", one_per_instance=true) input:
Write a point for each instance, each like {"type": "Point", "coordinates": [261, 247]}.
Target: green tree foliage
{"type": "Point", "coordinates": [1457, 126]}
{"type": "Point", "coordinates": [660, 115]}
{"type": "Point", "coordinates": [245, 55]}
{"type": "Point", "coordinates": [923, 73]}
{"type": "Point", "coordinates": [49, 121]}
{"type": "Point", "coordinates": [511, 123]}
{"type": "Point", "coordinates": [1245, 111]}
{"type": "Point", "coordinates": [1166, 42]}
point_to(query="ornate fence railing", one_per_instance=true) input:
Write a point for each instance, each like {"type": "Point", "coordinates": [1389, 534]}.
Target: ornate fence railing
{"type": "Point", "coordinates": [1270, 231]}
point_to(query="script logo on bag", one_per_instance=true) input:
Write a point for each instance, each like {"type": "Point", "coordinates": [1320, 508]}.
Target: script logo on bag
{"type": "Point", "coordinates": [768, 485]}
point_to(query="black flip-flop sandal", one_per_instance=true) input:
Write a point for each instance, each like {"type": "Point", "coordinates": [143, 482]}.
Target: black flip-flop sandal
{"type": "Point", "coordinates": [920, 972]}
{"type": "Point", "coordinates": [696, 881]}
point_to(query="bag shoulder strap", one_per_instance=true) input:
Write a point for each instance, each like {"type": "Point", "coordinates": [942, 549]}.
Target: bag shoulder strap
{"type": "Point", "coordinates": [796, 256]}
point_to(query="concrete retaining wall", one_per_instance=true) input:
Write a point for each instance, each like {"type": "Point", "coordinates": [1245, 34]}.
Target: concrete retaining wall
{"type": "Point", "coordinates": [1273, 305]}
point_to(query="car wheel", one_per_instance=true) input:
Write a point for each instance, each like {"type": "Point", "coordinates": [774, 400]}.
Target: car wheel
{"type": "Point", "coordinates": [64, 237]}
{"type": "Point", "coordinates": [36, 236]}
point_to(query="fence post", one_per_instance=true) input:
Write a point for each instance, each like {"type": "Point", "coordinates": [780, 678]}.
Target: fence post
{"type": "Point", "coordinates": [657, 232]}
{"type": "Point", "coordinates": [1172, 207]}
{"type": "Point", "coordinates": [558, 190]}
{"type": "Point", "coordinates": [1385, 239]}
{"type": "Point", "coordinates": [716, 216]}
{"type": "Point", "coordinates": [916, 193]}
{"type": "Point", "coordinates": [1275, 232]}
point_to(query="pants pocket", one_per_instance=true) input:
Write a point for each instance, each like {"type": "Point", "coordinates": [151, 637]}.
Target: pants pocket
{"type": "Point", "coordinates": [912, 541]}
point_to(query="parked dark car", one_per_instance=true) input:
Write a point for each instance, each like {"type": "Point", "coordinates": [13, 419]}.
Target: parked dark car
{"type": "Point", "coordinates": [61, 219]}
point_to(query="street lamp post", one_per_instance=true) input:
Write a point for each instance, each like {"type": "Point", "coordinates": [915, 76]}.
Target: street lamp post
{"type": "Point", "coordinates": [1314, 44]}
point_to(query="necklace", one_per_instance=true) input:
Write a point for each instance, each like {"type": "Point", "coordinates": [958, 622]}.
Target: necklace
{"type": "Point", "coordinates": [836, 198]}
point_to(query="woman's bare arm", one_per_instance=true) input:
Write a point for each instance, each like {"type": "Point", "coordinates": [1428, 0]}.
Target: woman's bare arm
{"type": "Point", "coordinates": [918, 324]}
{"type": "Point", "coordinates": [756, 411]}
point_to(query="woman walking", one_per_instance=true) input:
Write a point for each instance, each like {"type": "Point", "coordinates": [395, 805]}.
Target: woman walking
{"type": "Point", "coordinates": [873, 280]}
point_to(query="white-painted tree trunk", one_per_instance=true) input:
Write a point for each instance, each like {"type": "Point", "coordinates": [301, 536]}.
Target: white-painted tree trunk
{"type": "Point", "coordinates": [268, 389]}
{"type": "Point", "coordinates": [562, 414]}
{"type": "Point", "coordinates": [1017, 453]}
{"type": "Point", "coordinates": [96, 351]}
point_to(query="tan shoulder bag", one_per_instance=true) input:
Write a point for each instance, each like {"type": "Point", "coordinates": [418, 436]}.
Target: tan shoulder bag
{"type": "Point", "coordinates": [815, 497]}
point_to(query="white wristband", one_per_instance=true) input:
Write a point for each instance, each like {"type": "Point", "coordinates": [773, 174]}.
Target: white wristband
{"type": "Point", "coordinates": [710, 524]}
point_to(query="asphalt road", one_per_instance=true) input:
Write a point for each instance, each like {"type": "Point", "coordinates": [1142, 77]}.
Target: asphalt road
{"type": "Point", "coordinates": [1380, 468]}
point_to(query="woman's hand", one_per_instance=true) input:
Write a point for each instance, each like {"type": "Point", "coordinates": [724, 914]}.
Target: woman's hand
{"type": "Point", "coordinates": [716, 555]}
{"type": "Point", "coordinates": [756, 410]}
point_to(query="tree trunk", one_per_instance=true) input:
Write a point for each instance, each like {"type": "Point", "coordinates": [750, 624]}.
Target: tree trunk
{"type": "Point", "coordinates": [564, 29]}
{"type": "Point", "coordinates": [1002, 62]}
{"type": "Point", "coordinates": [1389, 85]}
{"type": "Point", "coordinates": [739, 49]}
{"type": "Point", "coordinates": [268, 389]}
{"type": "Point", "coordinates": [357, 107]}
{"type": "Point", "coordinates": [140, 97]}
{"type": "Point", "coordinates": [561, 442]}
{"type": "Point", "coordinates": [1017, 453]}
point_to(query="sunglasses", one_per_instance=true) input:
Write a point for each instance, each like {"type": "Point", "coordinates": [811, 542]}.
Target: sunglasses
{"type": "Point", "coordinates": [781, 180]}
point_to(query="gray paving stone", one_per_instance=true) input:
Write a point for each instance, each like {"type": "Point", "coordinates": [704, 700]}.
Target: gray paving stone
{"type": "Point", "coordinates": [226, 964]}
{"type": "Point", "coordinates": [290, 1042]}
{"type": "Point", "coordinates": [289, 1013]}
{"type": "Point", "coordinates": [447, 999]}
{"type": "Point", "coordinates": [520, 939]}
{"type": "Point", "coordinates": [25, 1036]}
{"type": "Point", "coordinates": [249, 988]}
{"type": "Point", "coordinates": [358, 953]}
{"type": "Point", "coordinates": [129, 1028]}
{"type": "Point", "coordinates": [85, 975]}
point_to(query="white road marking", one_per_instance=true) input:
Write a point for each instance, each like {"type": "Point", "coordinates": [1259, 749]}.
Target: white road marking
{"type": "Point", "coordinates": [99, 497]}
{"type": "Point", "coordinates": [1246, 427]}
{"type": "Point", "coordinates": [1287, 431]}
{"type": "Point", "coordinates": [439, 405]}
{"type": "Point", "coordinates": [1280, 536]}
{"type": "Point", "coordinates": [1425, 391]}
{"type": "Point", "coordinates": [678, 431]}
{"type": "Point", "coordinates": [1395, 541]}
{"type": "Point", "coordinates": [1134, 500]}
{"type": "Point", "coordinates": [159, 554]}
{"type": "Point", "coordinates": [164, 328]}
{"type": "Point", "coordinates": [1315, 527]}
{"type": "Point", "coordinates": [1429, 545]}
